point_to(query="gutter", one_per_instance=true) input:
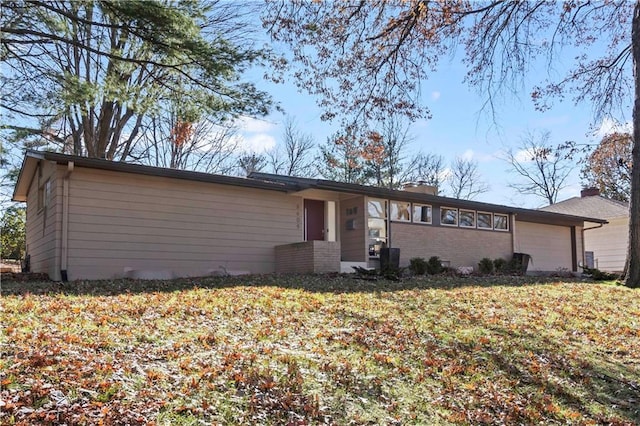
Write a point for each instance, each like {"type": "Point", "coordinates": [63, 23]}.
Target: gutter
{"type": "Point", "coordinates": [64, 252]}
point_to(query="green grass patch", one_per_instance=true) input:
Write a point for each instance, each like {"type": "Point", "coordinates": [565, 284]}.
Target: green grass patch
{"type": "Point", "coordinates": [322, 349]}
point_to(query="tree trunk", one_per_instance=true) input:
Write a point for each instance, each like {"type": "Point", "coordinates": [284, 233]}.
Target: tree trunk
{"type": "Point", "coordinates": [632, 268]}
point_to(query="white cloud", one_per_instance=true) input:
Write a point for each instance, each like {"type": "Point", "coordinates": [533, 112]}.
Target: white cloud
{"type": "Point", "coordinates": [467, 155]}
{"type": "Point", "coordinates": [609, 126]}
{"type": "Point", "coordinates": [480, 157]}
{"type": "Point", "coordinates": [254, 135]}
{"type": "Point", "coordinates": [435, 95]}
{"type": "Point", "coordinates": [529, 155]}
{"type": "Point", "coordinates": [445, 174]}
{"type": "Point", "coordinates": [258, 142]}
{"type": "Point", "coordinates": [524, 156]}
{"type": "Point", "coordinates": [254, 125]}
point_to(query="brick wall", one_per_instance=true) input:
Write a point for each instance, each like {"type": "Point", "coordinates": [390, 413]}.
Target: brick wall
{"type": "Point", "coordinates": [308, 257]}
{"type": "Point", "coordinates": [459, 246]}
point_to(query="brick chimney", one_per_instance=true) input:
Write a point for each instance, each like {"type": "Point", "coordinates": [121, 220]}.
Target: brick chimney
{"type": "Point", "coordinates": [420, 187]}
{"type": "Point", "coordinates": [589, 192]}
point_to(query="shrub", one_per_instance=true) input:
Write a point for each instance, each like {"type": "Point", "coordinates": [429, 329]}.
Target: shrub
{"type": "Point", "coordinates": [500, 265]}
{"type": "Point", "coordinates": [434, 265]}
{"type": "Point", "coordinates": [12, 233]}
{"type": "Point", "coordinates": [598, 275]}
{"type": "Point", "coordinates": [485, 266]}
{"type": "Point", "coordinates": [418, 266]}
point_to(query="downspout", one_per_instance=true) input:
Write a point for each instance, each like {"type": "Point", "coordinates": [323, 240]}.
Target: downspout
{"type": "Point", "coordinates": [513, 233]}
{"type": "Point", "coordinates": [64, 252]}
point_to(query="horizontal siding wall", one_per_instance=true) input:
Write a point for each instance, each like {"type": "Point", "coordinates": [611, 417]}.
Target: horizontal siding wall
{"type": "Point", "coordinates": [459, 246]}
{"type": "Point", "coordinates": [548, 245]}
{"type": "Point", "coordinates": [119, 220]}
{"type": "Point", "coordinates": [43, 224]}
{"type": "Point", "coordinates": [609, 244]}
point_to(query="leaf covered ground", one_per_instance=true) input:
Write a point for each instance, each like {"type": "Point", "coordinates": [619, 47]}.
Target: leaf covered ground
{"type": "Point", "coordinates": [320, 350]}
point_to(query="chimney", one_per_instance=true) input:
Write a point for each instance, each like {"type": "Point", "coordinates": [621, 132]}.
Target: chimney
{"type": "Point", "coordinates": [589, 192]}
{"type": "Point", "coordinates": [420, 187]}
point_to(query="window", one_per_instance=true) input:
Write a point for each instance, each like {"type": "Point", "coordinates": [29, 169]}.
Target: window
{"type": "Point", "coordinates": [467, 218]}
{"type": "Point", "coordinates": [500, 222]}
{"type": "Point", "coordinates": [44, 195]}
{"type": "Point", "coordinates": [400, 211]}
{"type": "Point", "coordinates": [377, 225]}
{"type": "Point", "coordinates": [448, 216]}
{"type": "Point", "coordinates": [422, 213]}
{"type": "Point", "coordinates": [485, 220]}
{"type": "Point", "coordinates": [377, 208]}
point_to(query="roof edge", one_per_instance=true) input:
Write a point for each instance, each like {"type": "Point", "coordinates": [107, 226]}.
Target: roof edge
{"type": "Point", "coordinates": [32, 157]}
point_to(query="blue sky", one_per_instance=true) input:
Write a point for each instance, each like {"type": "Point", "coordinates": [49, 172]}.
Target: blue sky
{"type": "Point", "coordinates": [458, 127]}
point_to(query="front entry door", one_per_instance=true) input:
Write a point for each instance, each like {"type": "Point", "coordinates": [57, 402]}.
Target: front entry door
{"type": "Point", "coordinates": [314, 220]}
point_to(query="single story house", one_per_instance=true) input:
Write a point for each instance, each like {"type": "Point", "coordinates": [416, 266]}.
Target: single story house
{"type": "Point", "coordinates": [605, 245]}
{"type": "Point", "coordinates": [96, 219]}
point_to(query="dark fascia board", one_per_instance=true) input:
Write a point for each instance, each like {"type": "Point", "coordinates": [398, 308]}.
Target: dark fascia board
{"type": "Point", "coordinates": [33, 157]}
{"type": "Point", "coordinates": [25, 177]}
{"type": "Point", "coordinates": [282, 184]}
{"type": "Point", "coordinates": [527, 215]}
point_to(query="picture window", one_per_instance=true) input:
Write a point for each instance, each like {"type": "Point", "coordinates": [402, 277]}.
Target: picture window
{"type": "Point", "coordinates": [500, 222]}
{"type": "Point", "coordinates": [422, 213]}
{"type": "Point", "coordinates": [448, 216]}
{"type": "Point", "coordinates": [467, 218]}
{"type": "Point", "coordinates": [485, 220]}
{"type": "Point", "coordinates": [400, 211]}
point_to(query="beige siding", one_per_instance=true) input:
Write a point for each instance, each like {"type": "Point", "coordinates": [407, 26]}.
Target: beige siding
{"type": "Point", "coordinates": [609, 244]}
{"type": "Point", "coordinates": [460, 247]}
{"type": "Point", "coordinates": [352, 241]}
{"type": "Point", "coordinates": [548, 245]}
{"type": "Point", "coordinates": [119, 220]}
{"type": "Point", "coordinates": [43, 224]}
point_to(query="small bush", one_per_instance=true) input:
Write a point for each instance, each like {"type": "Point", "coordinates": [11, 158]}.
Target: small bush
{"type": "Point", "coordinates": [434, 265]}
{"type": "Point", "coordinates": [598, 275]}
{"type": "Point", "coordinates": [418, 266]}
{"type": "Point", "coordinates": [485, 266]}
{"type": "Point", "coordinates": [500, 265]}
{"type": "Point", "coordinates": [514, 266]}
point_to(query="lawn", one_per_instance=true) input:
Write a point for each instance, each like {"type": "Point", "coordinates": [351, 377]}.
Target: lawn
{"type": "Point", "coordinates": [320, 350]}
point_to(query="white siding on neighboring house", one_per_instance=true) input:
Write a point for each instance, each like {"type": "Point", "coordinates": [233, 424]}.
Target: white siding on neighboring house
{"type": "Point", "coordinates": [548, 245]}
{"type": "Point", "coordinates": [43, 221]}
{"type": "Point", "coordinates": [120, 220]}
{"type": "Point", "coordinates": [609, 244]}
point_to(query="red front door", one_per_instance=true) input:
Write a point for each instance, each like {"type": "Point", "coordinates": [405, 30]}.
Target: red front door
{"type": "Point", "coordinates": [314, 220]}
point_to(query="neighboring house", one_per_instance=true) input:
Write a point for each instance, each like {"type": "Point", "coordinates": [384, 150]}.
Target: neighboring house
{"type": "Point", "coordinates": [91, 218]}
{"type": "Point", "coordinates": [605, 245]}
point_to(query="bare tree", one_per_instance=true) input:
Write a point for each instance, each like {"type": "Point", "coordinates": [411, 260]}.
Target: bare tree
{"type": "Point", "coordinates": [542, 169]}
{"type": "Point", "coordinates": [387, 164]}
{"type": "Point", "coordinates": [428, 168]}
{"type": "Point", "coordinates": [464, 180]}
{"type": "Point", "coordinates": [340, 159]}
{"type": "Point", "coordinates": [202, 146]}
{"type": "Point", "coordinates": [293, 157]}
{"type": "Point", "coordinates": [251, 162]}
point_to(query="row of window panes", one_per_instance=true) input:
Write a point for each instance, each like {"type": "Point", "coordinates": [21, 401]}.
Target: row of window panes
{"type": "Point", "coordinates": [377, 225]}
{"type": "Point", "coordinates": [423, 213]}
